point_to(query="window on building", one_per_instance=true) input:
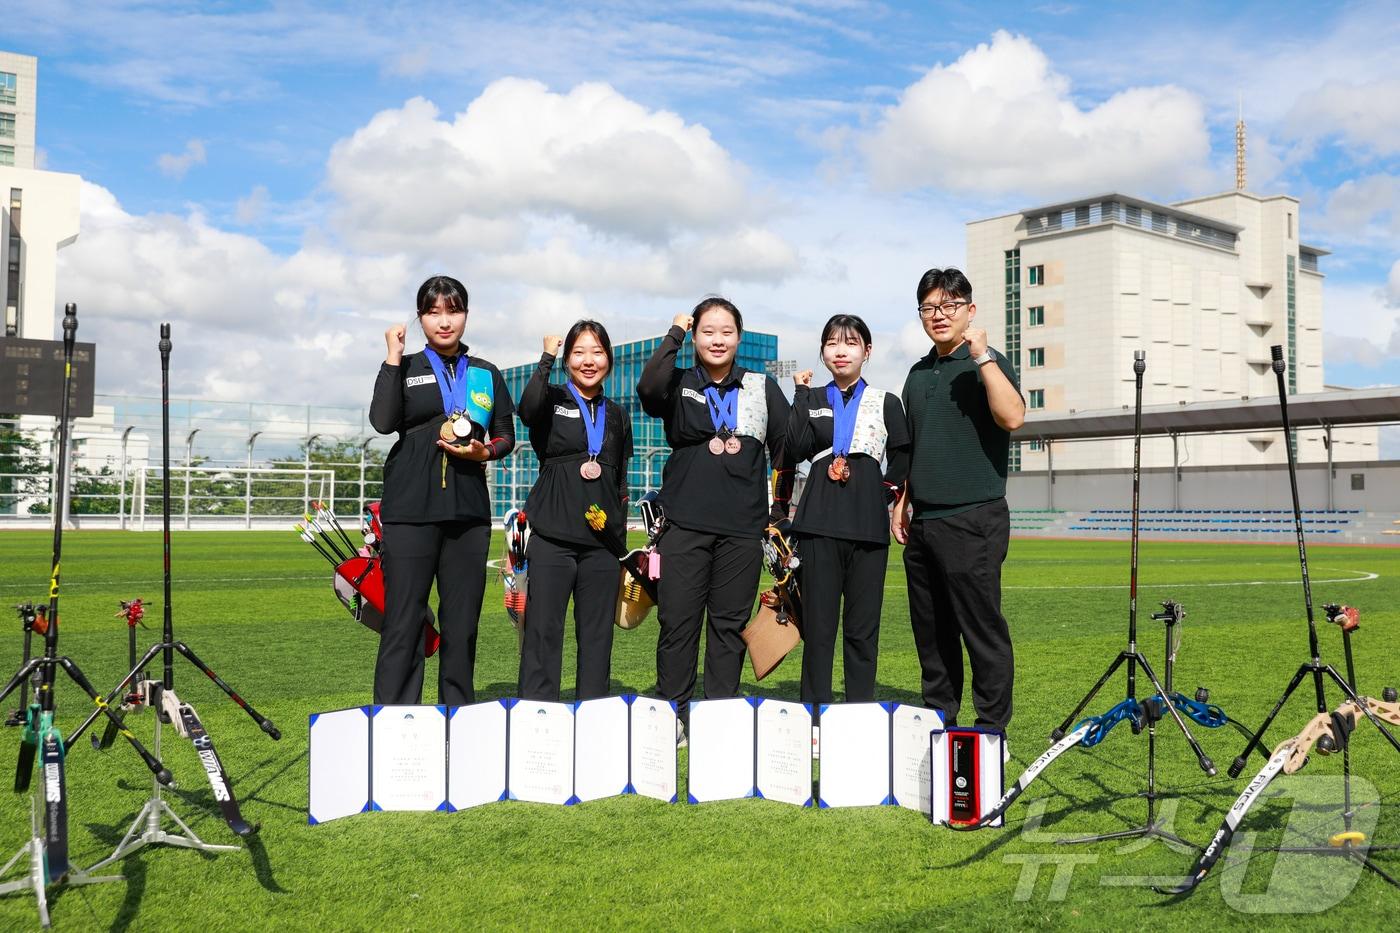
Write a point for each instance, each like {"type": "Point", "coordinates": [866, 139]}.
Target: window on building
{"type": "Point", "coordinates": [7, 155]}
{"type": "Point", "coordinates": [1036, 357]}
{"type": "Point", "coordinates": [1036, 316]}
{"type": "Point", "coordinates": [1037, 398]}
{"type": "Point", "coordinates": [1290, 225]}
{"type": "Point", "coordinates": [1037, 445]}
{"type": "Point", "coordinates": [9, 84]}
{"type": "Point", "coordinates": [1037, 275]}
{"type": "Point", "coordinates": [7, 126]}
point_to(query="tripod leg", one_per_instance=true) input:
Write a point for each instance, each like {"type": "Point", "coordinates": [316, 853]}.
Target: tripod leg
{"type": "Point", "coordinates": [1364, 707]}
{"type": "Point", "coordinates": [263, 722]}
{"type": "Point", "coordinates": [1064, 727]}
{"type": "Point", "coordinates": [73, 671]}
{"type": "Point", "coordinates": [1207, 765]}
{"type": "Point", "coordinates": [111, 697]}
{"type": "Point", "coordinates": [1238, 764]}
{"type": "Point", "coordinates": [21, 676]}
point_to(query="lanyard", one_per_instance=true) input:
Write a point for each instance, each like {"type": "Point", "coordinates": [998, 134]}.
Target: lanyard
{"type": "Point", "coordinates": [593, 425]}
{"type": "Point", "coordinates": [453, 390]}
{"type": "Point", "coordinates": [843, 416]}
{"type": "Point", "coordinates": [724, 409]}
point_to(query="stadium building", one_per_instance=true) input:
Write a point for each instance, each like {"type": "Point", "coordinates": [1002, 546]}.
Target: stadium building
{"type": "Point", "coordinates": [1069, 290]}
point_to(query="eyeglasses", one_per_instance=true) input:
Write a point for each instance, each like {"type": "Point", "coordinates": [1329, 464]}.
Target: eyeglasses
{"type": "Point", "coordinates": [948, 309]}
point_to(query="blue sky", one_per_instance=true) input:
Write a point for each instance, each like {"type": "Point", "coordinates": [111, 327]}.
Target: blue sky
{"type": "Point", "coordinates": [271, 175]}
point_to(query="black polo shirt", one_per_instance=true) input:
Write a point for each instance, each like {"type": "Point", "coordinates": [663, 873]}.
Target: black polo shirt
{"type": "Point", "coordinates": [960, 453]}
{"type": "Point", "coordinates": [725, 494]}
{"type": "Point", "coordinates": [561, 495]}
{"type": "Point", "coordinates": [416, 487]}
{"type": "Point", "coordinates": [858, 509]}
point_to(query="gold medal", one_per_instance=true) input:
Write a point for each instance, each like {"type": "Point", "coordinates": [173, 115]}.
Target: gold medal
{"type": "Point", "coordinates": [447, 432]}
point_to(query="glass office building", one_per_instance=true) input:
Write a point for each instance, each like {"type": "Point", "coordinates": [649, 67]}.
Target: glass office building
{"type": "Point", "coordinates": [512, 477]}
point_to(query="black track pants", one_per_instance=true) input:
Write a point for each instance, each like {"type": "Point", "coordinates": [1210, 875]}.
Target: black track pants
{"type": "Point", "coordinates": [591, 575]}
{"type": "Point", "coordinates": [954, 571]}
{"type": "Point", "coordinates": [704, 575]}
{"type": "Point", "coordinates": [454, 553]}
{"type": "Point", "coordinates": [832, 568]}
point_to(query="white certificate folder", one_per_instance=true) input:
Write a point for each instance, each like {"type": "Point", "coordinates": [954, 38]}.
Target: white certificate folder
{"type": "Point", "coordinates": [750, 747]}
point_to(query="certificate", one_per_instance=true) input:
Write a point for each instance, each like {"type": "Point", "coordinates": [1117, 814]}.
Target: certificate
{"type": "Point", "coordinates": [600, 748]}
{"type": "Point", "coordinates": [855, 762]}
{"type": "Point", "coordinates": [409, 751]}
{"type": "Point", "coordinates": [721, 750]}
{"type": "Point", "coordinates": [476, 754]}
{"type": "Point", "coordinates": [541, 752]}
{"type": "Point", "coordinates": [652, 756]}
{"type": "Point", "coordinates": [911, 756]}
{"type": "Point", "coordinates": [339, 764]}
{"type": "Point", "coordinates": [784, 752]}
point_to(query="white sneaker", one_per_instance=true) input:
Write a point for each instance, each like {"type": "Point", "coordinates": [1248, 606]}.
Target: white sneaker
{"type": "Point", "coordinates": [681, 740]}
{"type": "Point", "coordinates": [1005, 750]}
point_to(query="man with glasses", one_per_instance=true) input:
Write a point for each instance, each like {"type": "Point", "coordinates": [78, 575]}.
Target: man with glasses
{"type": "Point", "coordinates": [963, 401]}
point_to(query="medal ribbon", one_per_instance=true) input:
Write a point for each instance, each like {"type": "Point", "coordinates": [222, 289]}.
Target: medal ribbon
{"type": "Point", "coordinates": [592, 425]}
{"type": "Point", "coordinates": [724, 409]}
{"type": "Point", "coordinates": [454, 391]}
{"type": "Point", "coordinates": [843, 416]}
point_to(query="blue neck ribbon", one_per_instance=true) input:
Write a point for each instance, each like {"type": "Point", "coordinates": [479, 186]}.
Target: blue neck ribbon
{"type": "Point", "coordinates": [593, 425]}
{"type": "Point", "coordinates": [724, 409]}
{"type": "Point", "coordinates": [843, 416]}
{"type": "Point", "coordinates": [453, 390]}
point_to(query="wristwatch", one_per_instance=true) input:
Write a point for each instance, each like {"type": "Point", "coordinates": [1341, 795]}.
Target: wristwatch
{"type": "Point", "coordinates": [986, 357]}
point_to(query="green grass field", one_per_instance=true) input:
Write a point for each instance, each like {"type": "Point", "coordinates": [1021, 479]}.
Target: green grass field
{"type": "Point", "coordinates": [258, 607]}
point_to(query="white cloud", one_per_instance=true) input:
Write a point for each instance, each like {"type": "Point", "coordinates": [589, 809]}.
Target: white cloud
{"type": "Point", "coordinates": [176, 166]}
{"type": "Point", "coordinates": [1364, 211]}
{"type": "Point", "coordinates": [546, 204]}
{"type": "Point", "coordinates": [1000, 120]}
{"type": "Point", "coordinates": [591, 155]}
{"type": "Point", "coordinates": [250, 208]}
{"type": "Point", "coordinates": [1364, 115]}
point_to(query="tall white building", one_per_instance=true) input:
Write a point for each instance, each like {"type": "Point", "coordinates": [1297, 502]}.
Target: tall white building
{"type": "Point", "coordinates": [1205, 287]}
{"type": "Point", "coordinates": [38, 210]}
{"type": "Point", "coordinates": [18, 74]}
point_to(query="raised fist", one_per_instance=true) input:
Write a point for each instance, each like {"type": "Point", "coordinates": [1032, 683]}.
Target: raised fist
{"type": "Point", "coordinates": [394, 340]}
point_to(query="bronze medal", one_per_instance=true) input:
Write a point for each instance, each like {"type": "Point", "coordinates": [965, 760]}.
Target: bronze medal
{"type": "Point", "coordinates": [838, 471]}
{"type": "Point", "coordinates": [716, 445]}
{"type": "Point", "coordinates": [590, 469]}
{"type": "Point", "coordinates": [732, 445]}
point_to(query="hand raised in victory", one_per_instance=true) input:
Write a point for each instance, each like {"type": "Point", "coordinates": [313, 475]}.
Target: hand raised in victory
{"type": "Point", "coordinates": [394, 340]}
{"type": "Point", "coordinates": [803, 378]}
{"type": "Point", "coordinates": [553, 344]}
{"type": "Point", "coordinates": [683, 321]}
{"type": "Point", "coordinates": [976, 339]}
